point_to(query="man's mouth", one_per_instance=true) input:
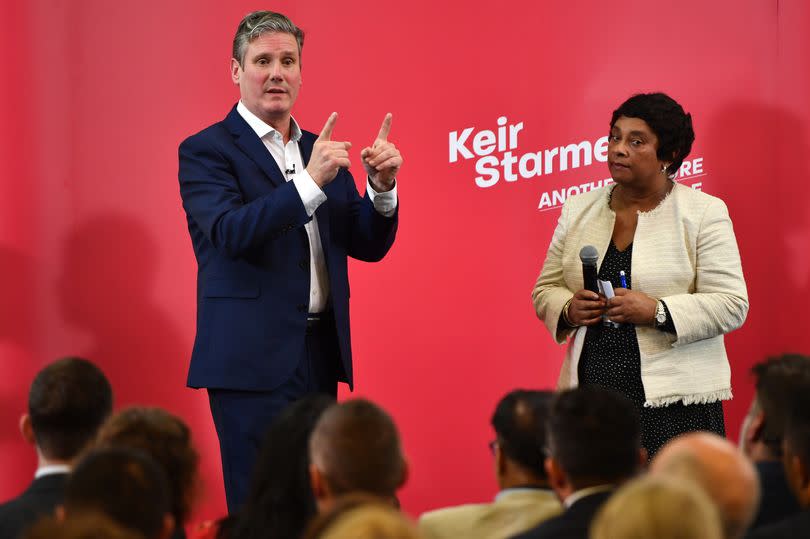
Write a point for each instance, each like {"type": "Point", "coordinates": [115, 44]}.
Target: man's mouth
{"type": "Point", "coordinates": [276, 91]}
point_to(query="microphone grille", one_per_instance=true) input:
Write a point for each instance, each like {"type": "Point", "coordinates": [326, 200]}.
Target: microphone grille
{"type": "Point", "coordinates": [589, 254]}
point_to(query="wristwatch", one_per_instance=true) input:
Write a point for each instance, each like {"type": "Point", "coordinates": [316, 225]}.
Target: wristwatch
{"type": "Point", "coordinates": [660, 314]}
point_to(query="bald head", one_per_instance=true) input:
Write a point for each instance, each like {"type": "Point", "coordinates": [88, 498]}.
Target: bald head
{"type": "Point", "coordinates": [723, 471]}
{"type": "Point", "coordinates": [355, 447]}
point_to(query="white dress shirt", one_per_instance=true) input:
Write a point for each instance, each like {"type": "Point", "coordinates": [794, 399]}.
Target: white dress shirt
{"type": "Point", "coordinates": [289, 161]}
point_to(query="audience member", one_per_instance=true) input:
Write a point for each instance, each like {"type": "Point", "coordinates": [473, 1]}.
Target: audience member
{"type": "Point", "coordinates": [362, 516]}
{"type": "Point", "coordinates": [720, 469]}
{"type": "Point", "coordinates": [796, 459]}
{"type": "Point", "coordinates": [90, 526]}
{"type": "Point", "coordinates": [123, 484]}
{"type": "Point", "coordinates": [658, 508]}
{"type": "Point", "coordinates": [166, 439]}
{"type": "Point", "coordinates": [762, 430]}
{"type": "Point", "coordinates": [355, 447]}
{"type": "Point", "coordinates": [525, 498]}
{"type": "Point", "coordinates": [594, 443]}
{"type": "Point", "coordinates": [67, 402]}
{"type": "Point", "coordinates": [280, 503]}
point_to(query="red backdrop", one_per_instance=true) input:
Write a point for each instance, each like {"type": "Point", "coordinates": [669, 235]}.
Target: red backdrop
{"type": "Point", "coordinates": [95, 258]}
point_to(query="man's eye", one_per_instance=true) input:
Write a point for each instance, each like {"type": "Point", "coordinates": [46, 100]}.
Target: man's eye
{"type": "Point", "coordinates": [262, 62]}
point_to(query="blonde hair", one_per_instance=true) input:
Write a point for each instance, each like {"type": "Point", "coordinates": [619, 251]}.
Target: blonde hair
{"type": "Point", "coordinates": [660, 507]}
{"type": "Point", "coordinates": [362, 517]}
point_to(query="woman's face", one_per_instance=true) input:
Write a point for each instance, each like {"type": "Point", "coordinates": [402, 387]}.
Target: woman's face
{"type": "Point", "coordinates": [632, 153]}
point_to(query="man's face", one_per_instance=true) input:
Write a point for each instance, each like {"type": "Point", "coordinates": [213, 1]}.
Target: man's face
{"type": "Point", "coordinates": [270, 76]}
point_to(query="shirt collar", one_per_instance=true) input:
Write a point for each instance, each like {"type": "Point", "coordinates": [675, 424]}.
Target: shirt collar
{"type": "Point", "coordinates": [261, 128]}
{"type": "Point", "coordinates": [51, 469]}
{"type": "Point", "coordinates": [515, 490]}
{"type": "Point", "coordinates": [582, 493]}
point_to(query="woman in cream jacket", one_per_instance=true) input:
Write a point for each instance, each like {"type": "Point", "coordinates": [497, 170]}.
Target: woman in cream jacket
{"type": "Point", "coordinates": [685, 287]}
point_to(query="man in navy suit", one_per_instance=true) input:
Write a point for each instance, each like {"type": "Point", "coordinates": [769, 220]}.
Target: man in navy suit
{"type": "Point", "coordinates": [273, 214]}
{"type": "Point", "coordinates": [67, 403]}
{"type": "Point", "coordinates": [594, 445]}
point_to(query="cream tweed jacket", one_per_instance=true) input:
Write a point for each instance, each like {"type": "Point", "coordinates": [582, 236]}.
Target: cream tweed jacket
{"type": "Point", "coordinates": [684, 253]}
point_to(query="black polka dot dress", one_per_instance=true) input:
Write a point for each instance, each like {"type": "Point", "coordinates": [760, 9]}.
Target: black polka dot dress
{"type": "Point", "coordinates": [610, 358]}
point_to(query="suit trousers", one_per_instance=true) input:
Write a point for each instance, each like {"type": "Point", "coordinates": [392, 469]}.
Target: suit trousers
{"type": "Point", "coordinates": [242, 418]}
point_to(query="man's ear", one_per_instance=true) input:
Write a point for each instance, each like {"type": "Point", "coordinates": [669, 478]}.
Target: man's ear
{"type": "Point", "coordinates": [556, 477]}
{"type": "Point", "coordinates": [27, 430]}
{"type": "Point", "coordinates": [406, 473]}
{"type": "Point", "coordinates": [643, 459]}
{"type": "Point", "coordinates": [500, 462]}
{"type": "Point", "coordinates": [59, 513]}
{"type": "Point", "coordinates": [236, 70]}
{"type": "Point", "coordinates": [316, 481]}
{"type": "Point", "coordinates": [756, 428]}
{"type": "Point", "coordinates": [168, 527]}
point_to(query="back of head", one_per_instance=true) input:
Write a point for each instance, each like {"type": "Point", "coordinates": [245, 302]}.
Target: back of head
{"type": "Point", "coordinates": [656, 507]}
{"type": "Point", "coordinates": [123, 484]}
{"type": "Point", "coordinates": [167, 440]}
{"type": "Point", "coordinates": [720, 469]}
{"type": "Point", "coordinates": [594, 435]}
{"type": "Point", "coordinates": [356, 448]}
{"type": "Point", "coordinates": [89, 526]}
{"type": "Point", "coordinates": [362, 517]}
{"type": "Point", "coordinates": [68, 401]}
{"type": "Point", "coordinates": [520, 424]}
{"type": "Point", "coordinates": [280, 501]}
{"type": "Point", "coordinates": [778, 380]}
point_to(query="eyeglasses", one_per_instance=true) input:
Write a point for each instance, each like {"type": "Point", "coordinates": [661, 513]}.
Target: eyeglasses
{"type": "Point", "coordinates": [493, 446]}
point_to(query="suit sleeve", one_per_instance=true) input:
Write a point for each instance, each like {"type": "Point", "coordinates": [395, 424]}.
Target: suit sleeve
{"type": "Point", "coordinates": [212, 198]}
{"type": "Point", "coordinates": [550, 292]}
{"type": "Point", "coordinates": [371, 234]}
{"type": "Point", "coordinates": [719, 304]}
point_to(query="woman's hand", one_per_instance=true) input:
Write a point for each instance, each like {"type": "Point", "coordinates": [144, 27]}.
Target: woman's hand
{"type": "Point", "coordinates": [586, 308]}
{"type": "Point", "coordinates": [632, 307]}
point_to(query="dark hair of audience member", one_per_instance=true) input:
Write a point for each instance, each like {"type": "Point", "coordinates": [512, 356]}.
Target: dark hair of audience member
{"type": "Point", "coordinates": [165, 438]}
{"type": "Point", "coordinates": [519, 422]}
{"type": "Point", "coordinates": [595, 435]}
{"type": "Point", "coordinates": [68, 401]}
{"type": "Point", "coordinates": [280, 502]}
{"type": "Point", "coordinates": [797, 424]}
{"type": "Point", "coordinates": [356, 447]}
{"type": "Point", "coordinates": [123, 484]}
{"type": "Point", "coordinates": [89, 526]}
{"type": "Point", "coordinates": [773, 377]}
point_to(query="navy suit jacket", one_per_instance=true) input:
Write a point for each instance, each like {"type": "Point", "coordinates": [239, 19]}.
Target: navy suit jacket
{"type": "Point", "coordinates": [247, 228]}
{"type": "Point", "coordinates": [39, 499]}
{"type": "Point", "coordinates": [574, 523]}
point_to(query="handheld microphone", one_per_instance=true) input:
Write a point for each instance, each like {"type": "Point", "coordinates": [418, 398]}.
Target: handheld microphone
{"type": "Point", "coordinates": [290, 170]}
{"type": "Point", "coordinates": [589, 257]}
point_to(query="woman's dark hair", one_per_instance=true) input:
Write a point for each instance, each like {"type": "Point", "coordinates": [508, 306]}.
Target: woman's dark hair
{"type": "Point", "coordinates": [280, 502]}
{"type": "Point", "coordinates": [669, 122]}
{"type": "Point", "coordinates": [167, 439]}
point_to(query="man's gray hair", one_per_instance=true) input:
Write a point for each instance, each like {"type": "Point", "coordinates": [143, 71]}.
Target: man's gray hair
{"type": "Point", "coordinates": [262, 22]}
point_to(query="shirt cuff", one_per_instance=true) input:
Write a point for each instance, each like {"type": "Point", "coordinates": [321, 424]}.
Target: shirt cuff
{"type": "Point", "coordinates": [311, 195]}
{"type": "Point", "coordinates": [385, 203]}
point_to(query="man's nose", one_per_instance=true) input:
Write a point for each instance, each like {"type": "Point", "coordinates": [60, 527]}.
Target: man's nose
{"type": "Point", "coordinates": [275, 71]}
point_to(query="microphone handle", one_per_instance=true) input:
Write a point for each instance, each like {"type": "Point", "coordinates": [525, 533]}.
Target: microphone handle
{"type": "Point", "coordinates": [589, 277]}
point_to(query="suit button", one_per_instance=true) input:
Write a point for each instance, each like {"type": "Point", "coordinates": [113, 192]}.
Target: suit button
{"type": "Point", "coordinates": [302, 308]}
{"type": "Point", "coordinates": [303, 264]}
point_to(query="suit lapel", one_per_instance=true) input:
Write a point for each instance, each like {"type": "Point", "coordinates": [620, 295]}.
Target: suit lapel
{"type": "Point", "coordinates": [247, 141]}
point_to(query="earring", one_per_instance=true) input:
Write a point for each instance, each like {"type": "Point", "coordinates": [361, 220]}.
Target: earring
{"type": "Point", "coordinates": [664, 168]}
